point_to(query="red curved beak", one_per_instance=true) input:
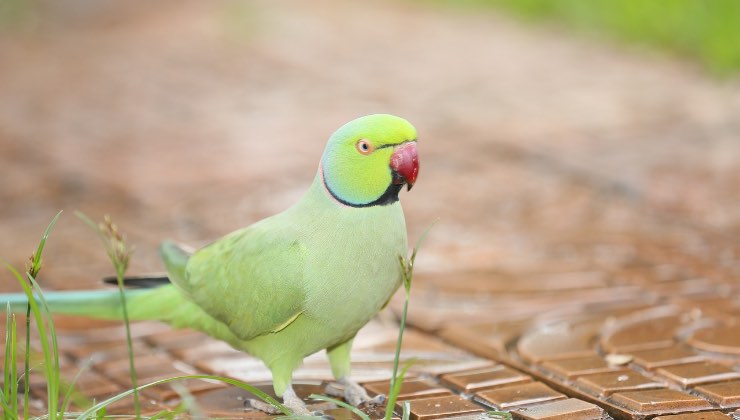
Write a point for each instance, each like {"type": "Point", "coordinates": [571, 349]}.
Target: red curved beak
{"type": "Point", "coordinates": [405, 164]}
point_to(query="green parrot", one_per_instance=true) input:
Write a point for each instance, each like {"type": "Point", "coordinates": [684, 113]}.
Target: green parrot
{"type": "Point", "coordinates": [297, 282]}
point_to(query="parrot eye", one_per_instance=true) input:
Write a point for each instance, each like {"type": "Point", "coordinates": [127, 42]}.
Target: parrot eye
{"type": "Point", "coordinates": [364, 147]}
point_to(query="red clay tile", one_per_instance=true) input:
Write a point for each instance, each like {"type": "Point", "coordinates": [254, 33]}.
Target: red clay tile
{"type": "Point", "coordinates": [704, 415]}
{"type": "Point", "coordinates": [651, 333]}
{"type": "Point", "coordinates": [605, 384]}
{"type": "Point", "coordinates": [560, 341]}
{"type": "Point", "coordinates": [168, 390]}
{"type": "Point", "coordinates": [112, 350]}
{"type": "Point", "coordinates": [205, 350]}
{"type": "Point", "coordinates": [440, 407]}
{"type": "Point", "coordinates": [492, 336]}
{"type": "Point", "coordinates": [476, 380]}
{"type": "Point", "coordinates": [724, 394]}
{"type": "Point", "coordinates": [410, 389]}
{"type": "Point", "coordinates": [230, 402]}
{"type": "Point", "coordinates": [570, 368]}
{"type": "Point", "coordinates": [568, 409]}
{"type": "Point", "coordinates": [655, 358]}
{"type": "Point", "coordinates": [719, 339]}
{"type": "Point", "coordinates": [659, 401]}
{"type": "Point", "coordinates": [83, 324]}
{"type": "Point", "coordinates": [89, 383]}
{"type": "Point", "coordinates": [691, 374]}
{"type": "Point", "coordinates": [92, 384]}
{"type": "Point", "coordinates": [177, 339]}
{"type": "Point", "coordinates": [509, 397]}
{"type": "Point", "coordinates": [242, 365]}
{"type": "Point", "coordinates": [142, 364]}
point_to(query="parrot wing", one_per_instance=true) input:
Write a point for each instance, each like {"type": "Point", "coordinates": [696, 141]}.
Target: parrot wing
{"type": "Point", "coordinates": [251, 280]}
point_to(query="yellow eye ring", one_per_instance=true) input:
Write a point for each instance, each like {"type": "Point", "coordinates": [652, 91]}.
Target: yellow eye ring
{"type": "Point", "coordinates": [364, 147]}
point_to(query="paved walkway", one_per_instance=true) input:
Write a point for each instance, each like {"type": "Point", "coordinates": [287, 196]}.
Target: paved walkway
{"type": "Point", "coordinates": [586, 193]}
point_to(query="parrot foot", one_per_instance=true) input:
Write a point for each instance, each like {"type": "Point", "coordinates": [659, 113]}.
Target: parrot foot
{"type": "Point", "coordinates": [262, 406]}
{"type": "Point", "coordinates": [293, 403]}
{"type": "Point", "coordinates": [353, 393]}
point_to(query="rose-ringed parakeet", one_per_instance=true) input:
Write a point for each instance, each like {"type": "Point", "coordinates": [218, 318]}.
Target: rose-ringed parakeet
{"type": "Point", "coordinates": [300, 281]}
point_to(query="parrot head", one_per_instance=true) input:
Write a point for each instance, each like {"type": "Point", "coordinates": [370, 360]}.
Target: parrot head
{"type": "Point", "coordinates": [369, 160]}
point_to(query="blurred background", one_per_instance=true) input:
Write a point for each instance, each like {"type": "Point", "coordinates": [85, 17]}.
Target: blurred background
{"type": "Point", "coordinates": [567, 133]}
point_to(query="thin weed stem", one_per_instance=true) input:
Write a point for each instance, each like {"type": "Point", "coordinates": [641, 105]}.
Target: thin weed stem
{"type": "Point", "coordinates": [119, 254]}
{"type": "Point", "coordinates": [27, 363]}
{"type": "Point", "coordinates": [10, 391]}
{"type": "Point", "coordinates": [249, 388]}
{"type": "Point", "coordinates": [407, 274]}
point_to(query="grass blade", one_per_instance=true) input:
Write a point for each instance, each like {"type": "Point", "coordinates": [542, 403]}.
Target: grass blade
{"type": "Point", "coordinates": [36, 258]}
{"type": "Point", "coordinates": [70, 393]}
{"type": "Point", "coordinates": [10, 388]}
{"type": "Point", "coordinates": [37, 316]}
{"type": "Point", "coordinates": [342, 404]}
{"type": "Point", "coordinates": [51, 352]}
{"type": "Point", "coordinates": [52, 380]}
{"type": "Point", "coordinates": [53, 371]}
{"type": "Point", "coordinates": [27, 362]}
{"type": "Point", "coordinates": [171, 414]}
{"type": "Point", "coordinates": [7, 410]}
{"type": "Point", "coordinates": [420, 242]}
{"type": "Point", "coordinates": [249, 388]}
{"type": "Point", "coordinates": [187, 401]}
{"type": "Point", "coordinates": [503, 415]}
{"type": "Point", "coordinates": [406, 411]}
{"type": "Point", "coordinates": [396, 388]}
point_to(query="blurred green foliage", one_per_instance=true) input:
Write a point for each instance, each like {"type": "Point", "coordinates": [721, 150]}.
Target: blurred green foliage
{"type": "Point", "coordinates": [708, 30]}
{"type": "Point", "coordinates": [15, 13]}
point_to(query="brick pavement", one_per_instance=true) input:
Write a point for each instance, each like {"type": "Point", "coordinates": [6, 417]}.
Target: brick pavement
{"type": "Point", "coordinates": [585, 257]}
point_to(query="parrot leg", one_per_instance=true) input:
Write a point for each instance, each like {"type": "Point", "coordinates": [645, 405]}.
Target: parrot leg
{"type": "Point", "coordinates": [351, 391]}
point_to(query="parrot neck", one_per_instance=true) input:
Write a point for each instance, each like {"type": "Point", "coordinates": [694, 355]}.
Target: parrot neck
{"type": "Point", "coordinates": [390, 195]}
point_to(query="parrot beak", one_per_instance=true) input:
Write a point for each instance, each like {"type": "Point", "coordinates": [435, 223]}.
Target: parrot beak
{"type": "Point", "coordinates": [405, 164]}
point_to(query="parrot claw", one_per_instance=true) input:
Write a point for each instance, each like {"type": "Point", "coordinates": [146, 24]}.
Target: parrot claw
{"type": "Point", "coordinates": [261, 406]}
{"type": "Point", "coordinates": [293, 403]}
{"type": "Point", "coordinates": [353, 393]}
{"type": "Point", "coordinates": [376, 401]}
{"type": "Point", "coordinates": [298, 409]}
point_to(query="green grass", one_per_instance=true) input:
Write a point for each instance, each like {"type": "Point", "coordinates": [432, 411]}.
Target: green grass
{"type": "Point", "coordinates": [9, 400]}
{"type": "Point", "coordinates": [38, 309]}
{"type": "Point", "coordinates": [707, 31]}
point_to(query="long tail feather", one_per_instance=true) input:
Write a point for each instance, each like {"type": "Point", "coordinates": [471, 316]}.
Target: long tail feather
{"type": "Point", "coordinates": [103, 304]}
{"type": "Point", "coordinates": [164, 303]}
